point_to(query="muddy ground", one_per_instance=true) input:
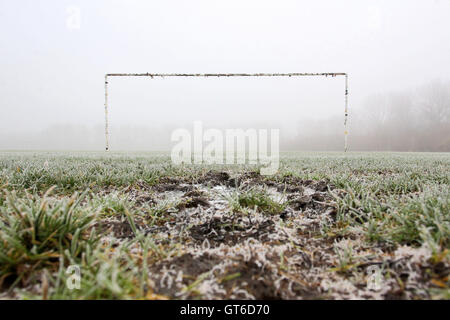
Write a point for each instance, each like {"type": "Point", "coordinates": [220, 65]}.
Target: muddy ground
{"type": "Point", "coordinates": [256, 253]}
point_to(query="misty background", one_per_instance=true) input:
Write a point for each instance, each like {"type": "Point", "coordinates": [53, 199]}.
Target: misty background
{"type": "Point", "coordinates": [54, 55]}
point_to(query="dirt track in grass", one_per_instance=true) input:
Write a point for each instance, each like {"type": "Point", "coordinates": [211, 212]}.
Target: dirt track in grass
{"type": "Point", "coordinates": [250, 252]}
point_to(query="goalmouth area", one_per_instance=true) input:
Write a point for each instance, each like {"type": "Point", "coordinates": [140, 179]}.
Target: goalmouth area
{"type": "Point", "coordinates": [218, 75]}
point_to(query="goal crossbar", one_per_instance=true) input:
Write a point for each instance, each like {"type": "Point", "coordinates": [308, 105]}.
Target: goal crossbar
{"type": "Point", "coordinates": [163, 75]}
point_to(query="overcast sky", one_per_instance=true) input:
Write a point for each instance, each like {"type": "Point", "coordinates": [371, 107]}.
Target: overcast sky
{"type": "Point", "coordinates": [52, 63]}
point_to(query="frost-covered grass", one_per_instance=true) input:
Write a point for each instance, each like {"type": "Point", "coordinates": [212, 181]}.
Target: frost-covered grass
{"type": "Point", "coordinates": [125, 219]}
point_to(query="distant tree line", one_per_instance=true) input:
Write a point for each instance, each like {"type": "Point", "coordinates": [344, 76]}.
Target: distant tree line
{"type": "Point", "coordinates": [403, 121]}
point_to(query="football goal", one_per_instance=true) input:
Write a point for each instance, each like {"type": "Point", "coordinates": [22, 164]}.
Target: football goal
{"type": "Point", "coordinates": [217, 75]}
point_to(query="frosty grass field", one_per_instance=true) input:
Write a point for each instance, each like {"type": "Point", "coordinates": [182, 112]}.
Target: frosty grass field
{"type": "Point", "coordinates": [141, 228]}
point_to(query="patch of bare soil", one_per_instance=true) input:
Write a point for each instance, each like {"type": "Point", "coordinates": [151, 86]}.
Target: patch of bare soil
{"type": "Point", "coordinates": [229, 231]}
{"type": "Point", "coordinates": [163, 187]}
{"type": "Point", "coordinates": [118, 226]}
{"type": "Point", "coordinates": [214, 178]}
{"type": "Point", "coordinates": [228, 255]}
{"type": "Point", "coordinates": [119, 229]}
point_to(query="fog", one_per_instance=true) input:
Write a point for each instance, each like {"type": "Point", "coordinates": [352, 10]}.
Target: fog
{"type": "Point", "coordinates": [54, 56]}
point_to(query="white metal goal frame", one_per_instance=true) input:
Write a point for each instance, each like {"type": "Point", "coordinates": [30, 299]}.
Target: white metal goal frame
{"type": "Point", "coordinates": [167, 75]}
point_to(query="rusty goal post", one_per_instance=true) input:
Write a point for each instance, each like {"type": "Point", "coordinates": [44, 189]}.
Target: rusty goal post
{"type": "Point", "coordinates": [167, 75]}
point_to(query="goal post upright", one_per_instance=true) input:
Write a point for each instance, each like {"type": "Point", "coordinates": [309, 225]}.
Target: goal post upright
{"type": "Point", "coordinates": [106, 114]}
{"type": "Point", "coordinates": [346, 114]}
{"type": "Point", "coordinates": [163, 75]}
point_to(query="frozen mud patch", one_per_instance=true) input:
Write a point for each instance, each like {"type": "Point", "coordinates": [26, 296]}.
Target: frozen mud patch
{"type": "Point", "coordinates": [232, 249]}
